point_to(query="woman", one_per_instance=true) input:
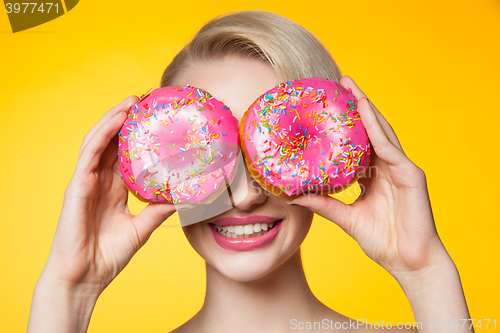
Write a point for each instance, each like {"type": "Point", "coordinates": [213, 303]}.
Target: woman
{"type": "Point", "coordinates": [237, 58]}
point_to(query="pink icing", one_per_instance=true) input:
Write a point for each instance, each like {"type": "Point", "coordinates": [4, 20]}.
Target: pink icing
{"type": "Point", "coordinates": [178, 145]}
{"type": "Point", "coordinates": [306, 135]}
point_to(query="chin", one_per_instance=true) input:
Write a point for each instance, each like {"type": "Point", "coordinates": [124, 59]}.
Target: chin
{"type": "Point", "coordinates": [246, 266]}
{"type": "Point", "coordinates": [239, 262]}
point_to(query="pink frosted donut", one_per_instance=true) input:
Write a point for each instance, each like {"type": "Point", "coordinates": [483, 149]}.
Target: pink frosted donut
{"type": "Point", "coordinates": [305, 136]}
{"type": "Point", "coordinates": [178, 145]}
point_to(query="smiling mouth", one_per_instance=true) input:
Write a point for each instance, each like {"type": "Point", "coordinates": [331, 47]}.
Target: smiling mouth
{"type": "Point", "coordinates": [245, 231]}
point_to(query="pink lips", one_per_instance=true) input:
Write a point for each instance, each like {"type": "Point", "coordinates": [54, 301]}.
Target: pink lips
{"type": "Point", "coordinates": [245, 244]}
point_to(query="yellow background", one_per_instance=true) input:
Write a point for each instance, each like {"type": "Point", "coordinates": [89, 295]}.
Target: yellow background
{"type": "Point", "coordinates": [431, 67]}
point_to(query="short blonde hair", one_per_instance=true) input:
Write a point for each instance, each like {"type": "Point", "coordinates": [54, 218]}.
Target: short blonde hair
{"type": "Point", "coordinates": [293, 51]}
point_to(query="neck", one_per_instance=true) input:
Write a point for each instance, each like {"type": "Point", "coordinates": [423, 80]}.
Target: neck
{"type": "Point", "coordinates": [266, 304]}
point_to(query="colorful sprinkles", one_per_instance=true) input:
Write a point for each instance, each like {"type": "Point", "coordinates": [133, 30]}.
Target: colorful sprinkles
{"type": "Point", "coordinates": [305, 135]}
{"type": "Point", "coordinates": [174, 146]}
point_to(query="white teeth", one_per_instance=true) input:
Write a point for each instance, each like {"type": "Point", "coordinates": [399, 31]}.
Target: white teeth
{"type": "Point", "coordinates": [245, 231]}
{"type": "Point", "coordinates": [249, 229]}
{"type": "Point", "coordinates": [238, 229]}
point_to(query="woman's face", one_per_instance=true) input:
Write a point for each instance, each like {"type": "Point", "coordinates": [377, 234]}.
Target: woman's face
{"type": "Point", "coordinates": [238, 82]}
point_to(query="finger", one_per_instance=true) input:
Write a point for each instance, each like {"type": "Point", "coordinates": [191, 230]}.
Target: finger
{"type": "Point", "coordinates": [185, 206]}
{"type": "Point", "coordinates": [91, 154]}
{"type": "Point", "coordinates": [110, 156]}
{"type": "Point", "coordinates": [124, 105]}
{"type": "Point", "coordinates": [348, 82]}
{"type": "Point", "coordinates": [151, 218]}
{"type": "Point", "coordinates": [384, 148]}
{"type": "Point", "coordinates": [328, 207]}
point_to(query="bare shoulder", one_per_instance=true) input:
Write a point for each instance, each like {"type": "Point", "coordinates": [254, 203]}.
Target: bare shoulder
{"type": "Point", "coordinates": [330, 320]}
{"type": "Point", "coordinates": [187, 327]}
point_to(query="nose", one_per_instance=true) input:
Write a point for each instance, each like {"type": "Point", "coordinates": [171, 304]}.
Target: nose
{"type": "Point", "coordinates": [245, 192]}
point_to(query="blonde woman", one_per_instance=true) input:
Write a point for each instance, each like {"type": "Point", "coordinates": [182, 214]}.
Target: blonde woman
{"type": "Point", "coordinates": [237, 58]}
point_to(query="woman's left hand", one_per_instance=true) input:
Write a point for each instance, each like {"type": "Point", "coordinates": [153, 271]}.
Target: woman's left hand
{"type": "Point", "coordinates": [392, 220]}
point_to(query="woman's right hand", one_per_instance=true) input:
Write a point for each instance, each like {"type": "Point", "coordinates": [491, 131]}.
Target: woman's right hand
{"type": "Point", "coordinates": [97, 235]}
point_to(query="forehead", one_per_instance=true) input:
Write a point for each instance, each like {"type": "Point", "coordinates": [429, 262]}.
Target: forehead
{"type": "Point", "coordinates": [235, 81]}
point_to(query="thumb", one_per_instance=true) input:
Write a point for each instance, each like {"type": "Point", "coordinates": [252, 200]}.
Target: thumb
{"type": "Point", "coordinates": [330, 208]}
{"type": "Point", "coordinates": [151, 218]}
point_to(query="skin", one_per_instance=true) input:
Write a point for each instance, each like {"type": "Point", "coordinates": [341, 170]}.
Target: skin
{"type": "Point", "coordinates": [237, 83]}
{"type": "Point", "coordinates": [263, 289]}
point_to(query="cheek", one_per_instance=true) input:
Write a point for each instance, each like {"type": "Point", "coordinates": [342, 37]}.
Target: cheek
{"type": "Point", "coordinates": [195, 236]}
{"type": "Point", "coordinates": [303, 220]}
{"type": "Point", "coordinates": [300, 220]}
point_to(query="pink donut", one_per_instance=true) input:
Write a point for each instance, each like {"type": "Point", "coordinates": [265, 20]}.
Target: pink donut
{"type": "Point", "coordinates": [178, 145]}
{"type": "Point", "coordinates": [305, 136]}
